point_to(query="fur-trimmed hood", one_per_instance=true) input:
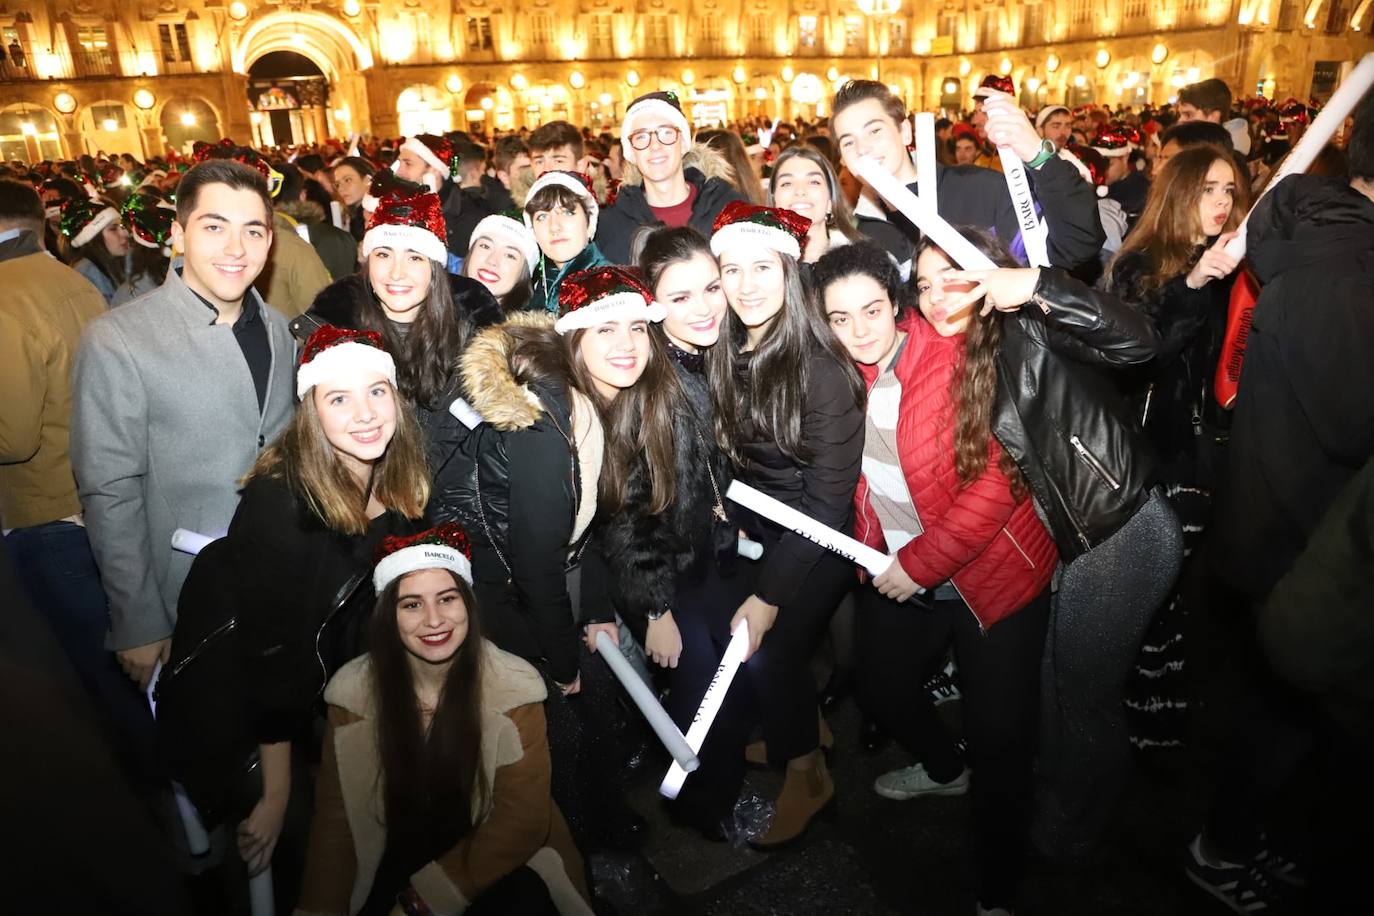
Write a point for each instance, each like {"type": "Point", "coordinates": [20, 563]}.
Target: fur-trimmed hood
{"type": "Point", "coordinates": [700, 157]}
{"type": "Point", "coordinates": [302, 211]}
{"type": "Point", "coordinates": [489, 381]}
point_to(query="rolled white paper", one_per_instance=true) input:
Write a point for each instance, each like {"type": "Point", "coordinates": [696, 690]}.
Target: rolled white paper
{"type": "Point", "coordinates": [923, 216]}
{"type": "Point", "coordinates": [875, 561]}
{"type": "Point", "coordinates": [710, 705]}
{"type": "Point", "coordinates": [925, 157]}
{"type": "Point", "coordinates": [260, 898]}
{"type": "Point", "coordinates": [1314, 139]}
{"type": "Point", "coordinates": [191, 542]}
{"type": "Point", "coordinates": [648, 704]}
{"type": "Point", "coordinates": [750, 550]}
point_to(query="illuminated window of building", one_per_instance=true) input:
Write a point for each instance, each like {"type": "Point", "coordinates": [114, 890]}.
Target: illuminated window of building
{"type": "Point", "coordinates": [761, 32]}
{"type": "Point", "coordinates": [854, 34]}
{"type": "Point", "coordinates": [1033, 23]}
{"type": "Point", "coordinates": [541, 30]}
{"type": "Point", "coordinates": [1288, 15]}
{"type": "Point", "coordinates": [947, 24]}
{"type": "Point", "coordinates": [1084, 10]}
{"type": "Point", "coordinates": [1338, 16]}
{"type": "Point", "coordinates": [109, 116]}
{"type": "Point", "coordinates": [896, 35]}
{"type": "Point", "coordinates": [988, 34]}
{"type": "Point", "coordinates": [176, 44]}
{"type": "Point", "coordinates": [1136, 9]}
{"type": "Point", "coordinates": [656, 34]}
{"type": "Point", "coordinates": [710, 35]}
{"type": "Point", "coordinates": [95, 47]}
{"type": "Point", "coordinates": [601, 35]}
{"type": "Point", "coordinates": [479, 33]}
{"type": "Point", "coordinates": [14, 48]}
{"type": "Point", "coordinates": [806, 31]}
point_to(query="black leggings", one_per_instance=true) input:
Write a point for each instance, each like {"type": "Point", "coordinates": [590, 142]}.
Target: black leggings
{"type": "Point", "coordinates": [999, 673]}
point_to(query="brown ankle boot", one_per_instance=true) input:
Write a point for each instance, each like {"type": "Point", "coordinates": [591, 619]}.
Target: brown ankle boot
{"type": "Point", "coordinates": [756, 752]}
{"type": "Point", "coordinates": [804, 794]}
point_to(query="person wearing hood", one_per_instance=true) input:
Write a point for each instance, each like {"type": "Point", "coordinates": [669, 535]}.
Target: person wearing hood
{"type": "Point", "coordinates": [336, 248]}
{"type": "Point", "coordinates": [1303, 429]}
{"type": "Point", "coordinates": [666, 179]}
{"type": "Point", "coordinates": [561, 211]}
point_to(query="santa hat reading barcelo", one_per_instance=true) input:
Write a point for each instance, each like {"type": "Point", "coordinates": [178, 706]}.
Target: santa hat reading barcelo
{"type": "Point", "coordinates": [578, 183]}
{"type": "Point", "coordinates": [336, 353]}
{"type": "Point", "coordinates": [444, 547]}
{"type": "Point", "coordinates": [654, 109]}
{"type": "Point", "coordinates": [507, 230]}
{"type": "Point", "coordinates": [83, 219]}
{"type": "Point", "coordinates": [437, 151]}
{"type": "Point", "coordinates": [411, 221]}
{"type": "Point", "coordinates": [742, 223]}
{"type": "Point", "coordinates": [589, 298]}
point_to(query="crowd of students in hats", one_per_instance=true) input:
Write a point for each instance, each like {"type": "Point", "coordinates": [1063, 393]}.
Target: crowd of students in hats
{"type": "Point", "coordinates": [447, 414]}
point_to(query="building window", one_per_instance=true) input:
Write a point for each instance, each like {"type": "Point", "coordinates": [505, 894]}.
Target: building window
{"type": "Point", "coordinates": [601, 35]}
{"type": "Point", "coordinates": [176, 44]}
{"type": "Point", "coordinates": [806, 32]}
{"type": "Point", "coordinates": [541, 30]}
{"type": "Point", "coordinates": [656, 34]}
{"type": "Point", "coordinates": [988, 34]}
{"type": "Point", "coordinates": [479, 33]}
{"type": "Point", "coordinates": [1338, 16]}
{"type": "Point", "coordinates": [14, 49]}
{"type": "Point", "coordinates": [1136, 9]}
{"type": "Point", "coordinates": [95, 48]}
{"type": "Point", "coordinates": [710, 35]}
{"type": "Point", "coordinates": [1288, 15]}
{"type": "Point", "coordinates": [854, 35]}
{"type": "Point", "coordinates": [761, 33]}
{"type": "Point", "coordinates": [1084, 10]}
{"type": "Point", "coordinates": [947, 24]}
{"type": "Point", "coordinates": [896, 36]}
{"type": "Point", "coordinates": [1033, 23]}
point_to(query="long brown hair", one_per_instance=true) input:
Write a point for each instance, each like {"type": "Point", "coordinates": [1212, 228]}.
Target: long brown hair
{"type": "Point", "coordinates": [304, 458]}
{"type": "Point", "coordinates": [427, 354]}
{"type": "Point", "coordinates": [841, 214]}
{"type": "Point", "coordinates": [729, 145]}
{"type": "Point", "coordinates": [430, 780]}
{"type": "Point", "coordinates": [974, 383]}
{"type": "Point", "coordinates": [1167, 231]}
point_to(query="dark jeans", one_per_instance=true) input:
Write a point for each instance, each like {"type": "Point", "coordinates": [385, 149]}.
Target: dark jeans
{"type": "Point", "coordinates": [999, 672]}
{"type": "Point", "coordinates": [520, 893]}
{"type": "Point", "coordinates": [780, 671]}
{"type": "Point", "coordinates": [702, 612]}
{"type": "Point", "coordinates": [58, 571]}
{"type": "Point", "coordinates": [1106, 600]}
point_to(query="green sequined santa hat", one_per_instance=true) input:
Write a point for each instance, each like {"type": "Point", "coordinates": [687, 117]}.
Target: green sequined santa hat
{"type": "Point", "coordinates": [745, 224]}
{"type": "Point", "coordinates": [444, 547]}
{"type": "Point", "coordinates": [149, 220]}
{"type": "Point", "coordinates": [588, 298]}
{"type": "Point", "coordinates": [83, 219]}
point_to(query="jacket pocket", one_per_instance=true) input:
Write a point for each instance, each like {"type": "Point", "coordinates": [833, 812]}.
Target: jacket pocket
{"type": "Point", "coordinates": [1093, 463]}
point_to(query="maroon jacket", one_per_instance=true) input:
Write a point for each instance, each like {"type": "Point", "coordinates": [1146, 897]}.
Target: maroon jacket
{"type": "Point", "coordinates": [994, 548]}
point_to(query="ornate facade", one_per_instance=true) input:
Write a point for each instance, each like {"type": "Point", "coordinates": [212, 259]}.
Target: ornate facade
{"type": "Point", "coordinates": [139, 75]}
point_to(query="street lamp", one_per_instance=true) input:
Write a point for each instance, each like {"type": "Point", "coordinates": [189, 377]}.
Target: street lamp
{"type": "Point", "coordinates": [880, 11]}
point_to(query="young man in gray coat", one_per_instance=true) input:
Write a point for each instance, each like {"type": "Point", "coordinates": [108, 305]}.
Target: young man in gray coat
{"type": "Point", "coordinates": [175, 394]}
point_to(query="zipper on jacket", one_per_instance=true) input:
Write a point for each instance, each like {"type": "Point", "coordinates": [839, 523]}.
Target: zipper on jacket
{"type": "Point", "coordinates": [319, 654]}
{"type": "Point", "coordinates": [482, 517]}
{"type": "Point", "coordinates": [201, 646]}
{"type": "Point", "coordinates": [1091, 461]}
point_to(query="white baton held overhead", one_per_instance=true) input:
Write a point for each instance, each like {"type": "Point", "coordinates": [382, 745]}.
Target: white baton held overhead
{"type": "Point", "coordinates": [925, 157]}
{"type": "Point", "coordinates": [648, 704]}
{"type": "Point", "coordinates": [922, 216]}
{"type": "Point", "coordinates": [875, 561]}
{"type": "Point", "coordinates": [1314, 139]}
{"type": "Point", "coordinates": [710, 705]}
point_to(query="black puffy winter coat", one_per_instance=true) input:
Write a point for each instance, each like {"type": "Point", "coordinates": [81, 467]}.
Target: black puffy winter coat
{"type": "Point", "coordinates": [618, 222]}
{"type": "Point", "coordinates": [1061, 415]}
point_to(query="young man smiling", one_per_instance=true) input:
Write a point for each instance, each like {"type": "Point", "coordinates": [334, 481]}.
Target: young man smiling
{"type": "Point", "coordinates": [655, 137]}
{"type": "Point", "coordinates": [868, 121]}
{"type": "Point", "coordinates": [174, 395]}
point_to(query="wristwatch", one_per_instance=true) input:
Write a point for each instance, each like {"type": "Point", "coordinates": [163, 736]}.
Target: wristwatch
{"type": "Point", "coordinates": [1047, 151]}
{"type": "Point", "coordinates": [655, 615]}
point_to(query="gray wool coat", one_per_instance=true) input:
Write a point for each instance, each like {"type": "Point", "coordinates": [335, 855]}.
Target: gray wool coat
{"type": "Point", "coordinates": [165, 421]}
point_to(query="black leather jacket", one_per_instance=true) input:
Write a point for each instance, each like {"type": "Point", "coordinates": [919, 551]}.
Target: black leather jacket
{"type": "Point", "coordinates": [1063, 419]}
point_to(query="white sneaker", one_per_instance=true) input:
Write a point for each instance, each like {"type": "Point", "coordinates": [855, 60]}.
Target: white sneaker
{"type": "Point", "coordinates": [914, 781]}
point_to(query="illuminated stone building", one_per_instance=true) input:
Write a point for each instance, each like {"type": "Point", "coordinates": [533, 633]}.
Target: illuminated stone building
{"type": "Point", "coordinates": [79, 76]}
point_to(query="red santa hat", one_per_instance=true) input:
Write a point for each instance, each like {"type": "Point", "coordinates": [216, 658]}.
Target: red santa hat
{"type": "Point", "coordinates": [578, 183]}
{"type": "Point", "coordinates": [444, 547]}
{"type": "Point", "coordinates": [588, 298]}
{"type": "Point", "coordinates": [337, 353]}
{"type": "Point", "coordinates": [1115, 140]}
{"type": "Point", "coordinates": [746, 224]}
{"type": "Point", "coordinates": [408, 220]}
{"type": "Point", "coordinates": [438, 152]}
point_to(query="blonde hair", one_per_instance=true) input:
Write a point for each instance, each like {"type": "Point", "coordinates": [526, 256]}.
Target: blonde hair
{"type": "Point", "coordinates": [304, 458]}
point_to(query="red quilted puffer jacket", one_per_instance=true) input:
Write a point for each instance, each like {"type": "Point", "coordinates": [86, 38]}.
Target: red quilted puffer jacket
{"type": "Point", "coordinates": [994, 548]}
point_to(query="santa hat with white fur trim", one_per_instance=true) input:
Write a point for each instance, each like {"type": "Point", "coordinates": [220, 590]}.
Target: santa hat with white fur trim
{"type": "Point", "coordinates": [588, 298]}
{"type": "Point", "coordinates": [444, 547]}
{"type": "Point", "coordinates": [333, 353]}
{"type": "Point", "coordinates": [407, 220]}
{"type": "Point", "coordinates": [743, 223]}
{"type": "Point", "coordinates": [578, 183]}
{"type": "Point", "coordinates": [652, 110]}
{"type": "Point", "coordinates": [83, 219]}
{"type": "Point", "coordinates": [509, 231]}
{"type": "Point", "coordinates": [437, 152]}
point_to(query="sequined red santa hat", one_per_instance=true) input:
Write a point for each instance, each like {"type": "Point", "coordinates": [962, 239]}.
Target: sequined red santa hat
{"type": "Point", "coordinates": [436, 151]}
{"type": "Point", "coordinates": [335, 354]}
{"type": "Point", "coordinates": [588, 298]}
{"type": "Point", "coordinates": [997, 83]}
{"type": "Point", "coordinates": [387, 182]}
{"type": "Point", "coordinates": [443, 547]}
{"type": "Point", "coordinates": [408, 221]}
{"type": "Point", "coordinates": [1114, 140]}
{"type": "Point", "coordinates": [743, 224]}
{"type": "Point", "coordinates": [578, 183]}
{"type": "Point", "coordinates": [1090, 165]}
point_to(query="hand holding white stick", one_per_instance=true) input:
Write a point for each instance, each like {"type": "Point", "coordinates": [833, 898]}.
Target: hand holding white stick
{"type": "Point", "coordinates": [648, 704]}
{"type": "Point", "coordinates": [875, 561]}
{"type": "Point", "coordinates": [922, 216]}
{"type": "Point", "coordinates": [710, 705]}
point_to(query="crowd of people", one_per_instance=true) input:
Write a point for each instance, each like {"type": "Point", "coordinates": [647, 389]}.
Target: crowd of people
{"type": "Point", "coordinates": [447, 410]}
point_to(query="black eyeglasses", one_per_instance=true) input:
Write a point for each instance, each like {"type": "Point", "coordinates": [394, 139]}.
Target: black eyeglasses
{"type": "Point", "coordinates": [667, 136]}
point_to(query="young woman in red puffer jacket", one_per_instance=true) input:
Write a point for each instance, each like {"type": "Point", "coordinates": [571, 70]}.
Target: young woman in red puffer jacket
{"type": "Point", "coordinates": [972, 561]}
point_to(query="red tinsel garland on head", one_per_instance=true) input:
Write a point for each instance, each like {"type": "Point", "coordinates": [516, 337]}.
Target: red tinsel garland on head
{"type": "Point", "coordinates": [445, 535]}
{"type": "Point", "coordinates": [331, 336]}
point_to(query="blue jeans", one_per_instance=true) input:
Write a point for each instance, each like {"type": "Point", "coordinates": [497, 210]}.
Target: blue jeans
{"type": "Point", "coordinates": [58, 570]}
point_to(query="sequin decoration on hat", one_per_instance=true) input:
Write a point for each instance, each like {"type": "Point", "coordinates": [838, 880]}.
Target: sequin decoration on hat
{"type": "Point", "coordinates": [588, 298]}
{"type": "Point", "coordinates": [743, 223]}
{"type": "Point", "coordinates": [409, 221]}
{"type": "Point", "coordinates": [83, 219]}
{"type": "Point", "coordinates": [333, 352]}
{"type": "Point", "coordinates": [444, 547]}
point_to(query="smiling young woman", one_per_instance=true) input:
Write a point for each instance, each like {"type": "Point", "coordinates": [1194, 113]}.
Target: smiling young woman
{"type": "Point", "coordinates": [804, 182]}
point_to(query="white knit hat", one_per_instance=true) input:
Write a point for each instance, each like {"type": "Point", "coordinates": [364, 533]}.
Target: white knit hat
{"type": "Point", "coordinates": [510, 232]}
{"type": "Point", "coordinates": [578, 183]}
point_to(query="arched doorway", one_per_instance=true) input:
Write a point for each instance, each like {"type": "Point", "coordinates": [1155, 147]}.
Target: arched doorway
{"type": "Point", "coordinates": [185, 120]}
{"type": "Point", "coordinates": [289, 95]}
{"type": "Point", "coordinates": [28, 133]}
{"type": "Point", "coordinates": [109, 125]}
{"type": "Point", "coordinates": [423, 109]}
